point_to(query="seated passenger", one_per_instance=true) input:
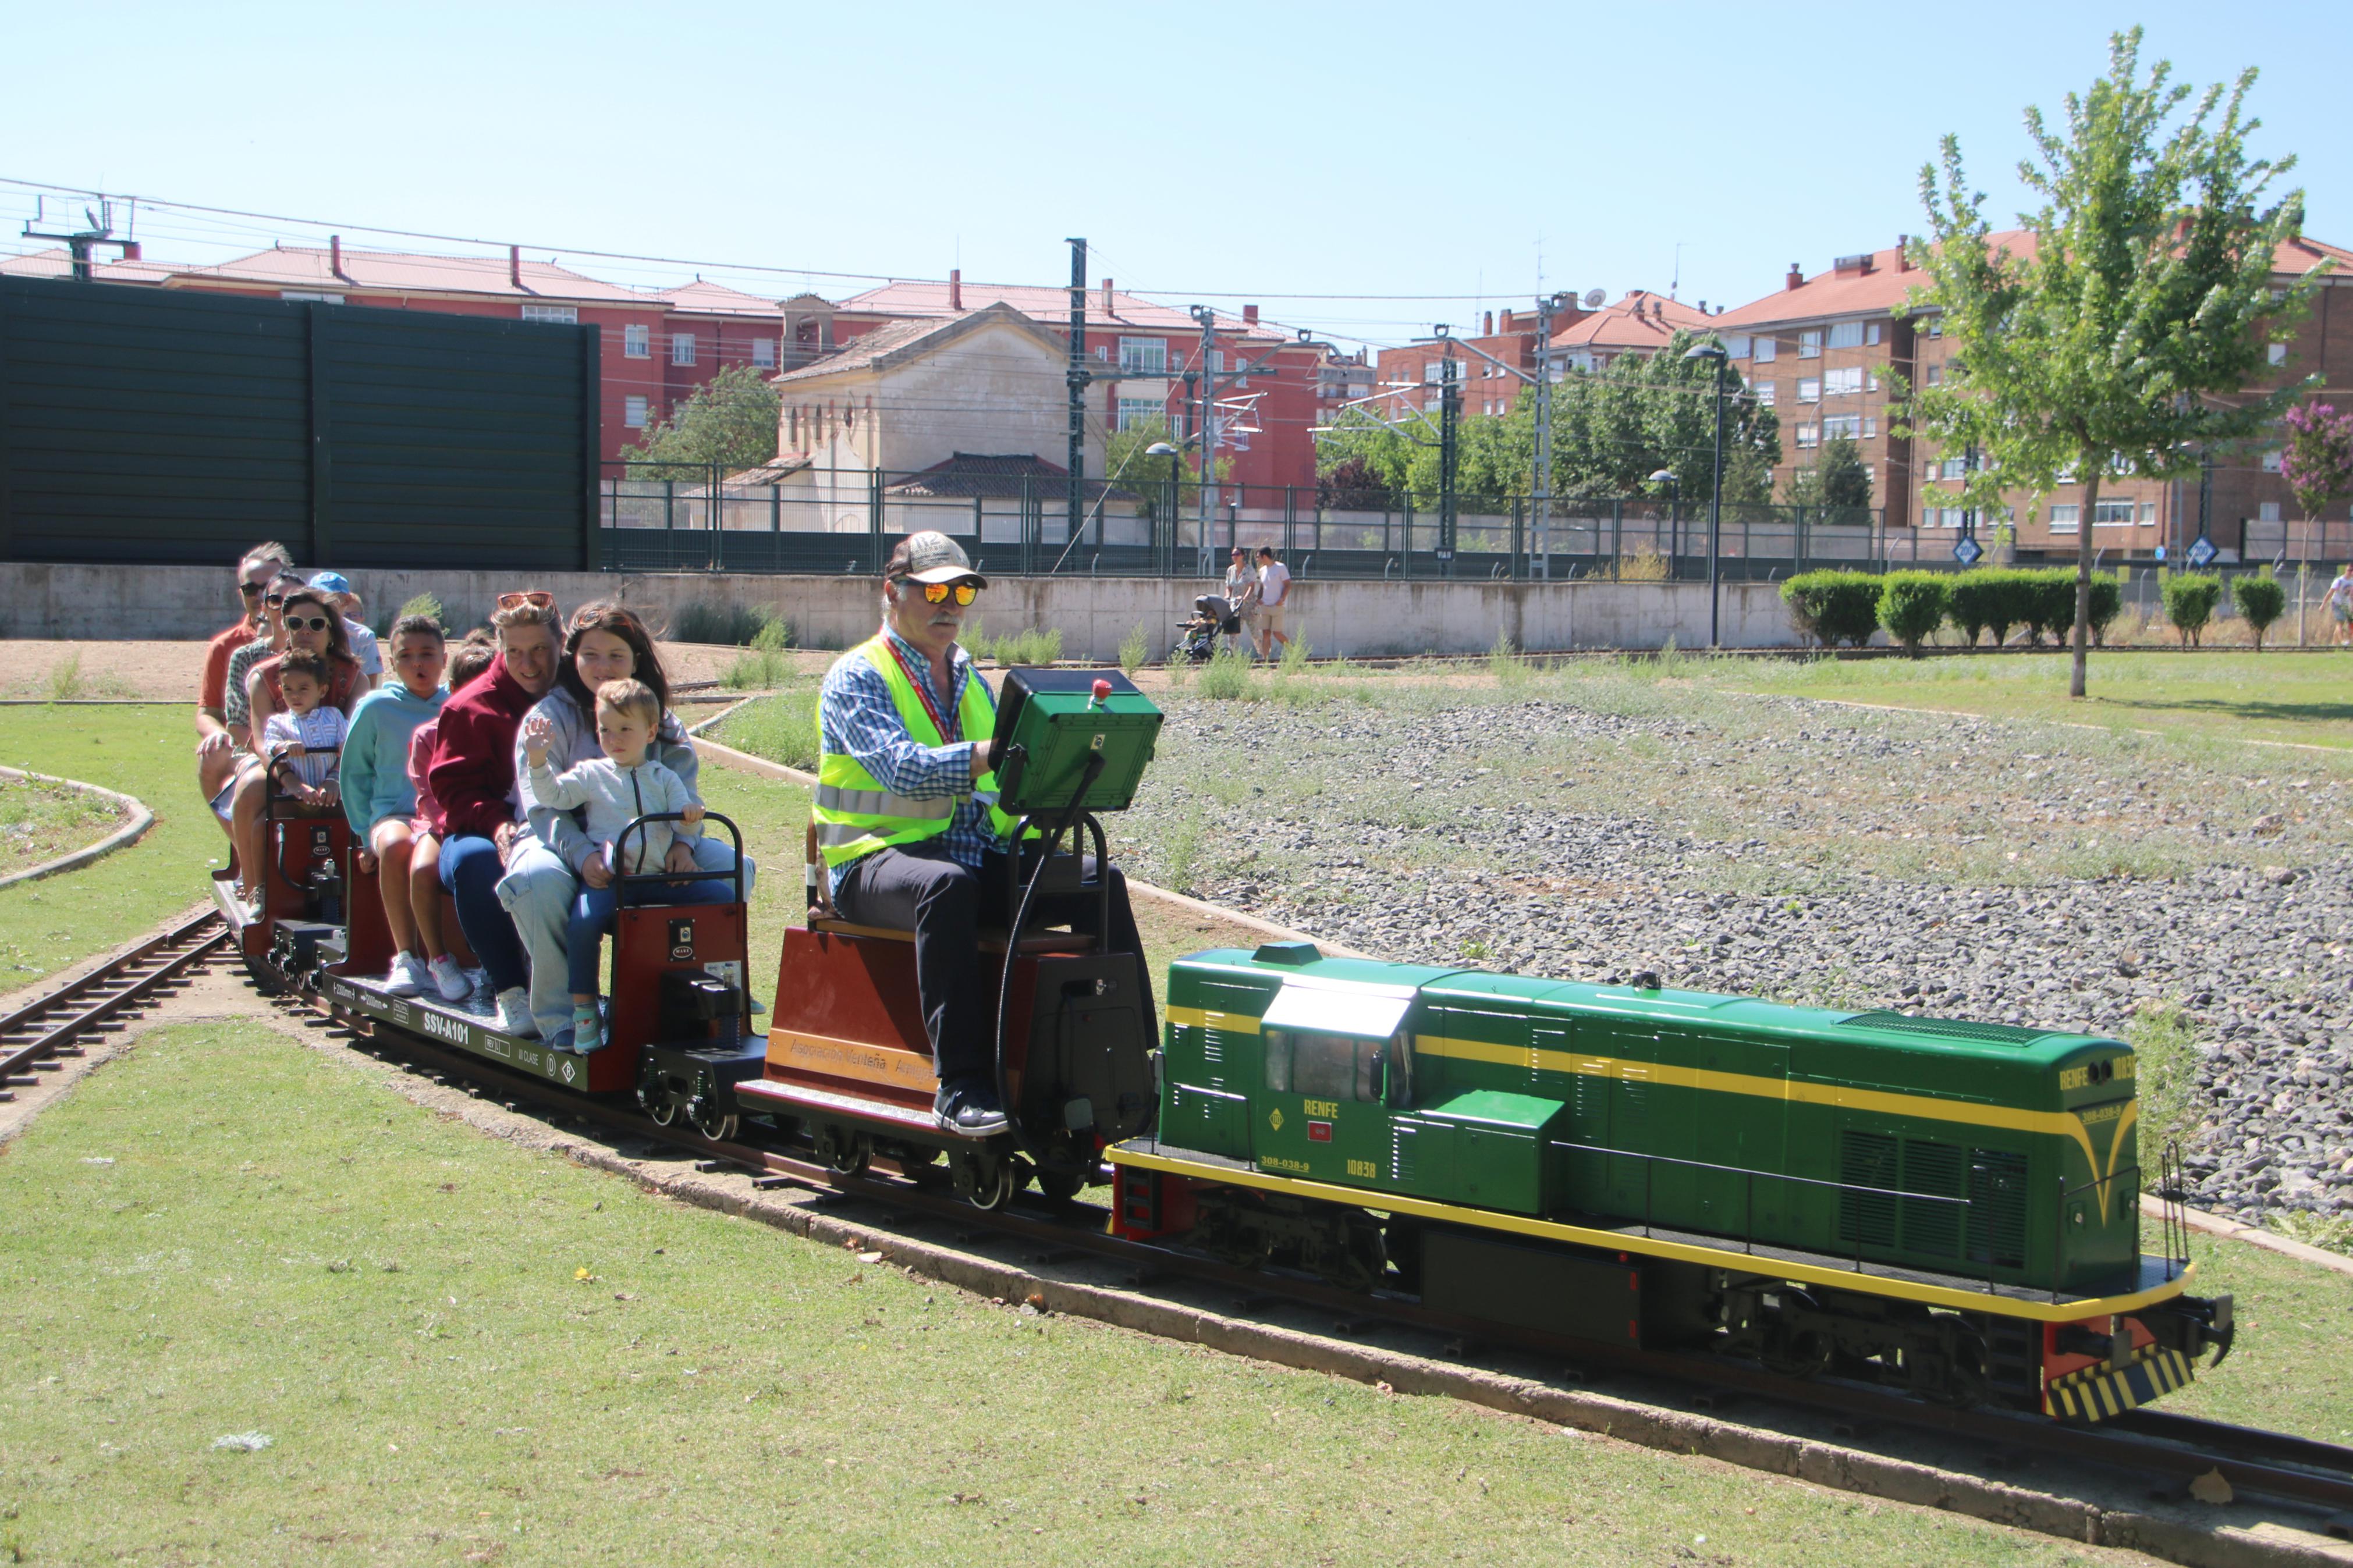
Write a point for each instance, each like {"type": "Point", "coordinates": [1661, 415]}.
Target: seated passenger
{"type": "Point", "coordinates": [217, 745]}
{"type": "Point", "coordinates": [305, 742]}
{"type": "Point", "coordinates": [426, 827]}
{"type": "Point", "coordinates": [614, 791]}
{"type": "Point", "coordinates": [907, 818]}
{"type": "Point", "coordinates": [472, 777]}
{"type": "Point", "coordinates": [379, 801]}
{"type": "Point", "coordinates": [606, 643]}
{"type": "Point", "coordinates": [346, 602]}
{"type": "Point", "coordinates": [307, 621]}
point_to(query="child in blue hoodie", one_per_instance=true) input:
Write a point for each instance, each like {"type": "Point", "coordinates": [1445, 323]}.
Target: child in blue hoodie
{"type": "Point", "coordinates": [379, 798]}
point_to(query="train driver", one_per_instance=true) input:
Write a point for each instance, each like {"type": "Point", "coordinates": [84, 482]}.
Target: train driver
{"type": "Point", "coordinates": [907, 819]}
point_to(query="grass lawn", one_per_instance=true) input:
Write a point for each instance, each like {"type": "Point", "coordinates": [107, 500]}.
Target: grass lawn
{"type": "Point", "coordinates": [460, 1351]}
{"type": "Point", "coordinates": [2305, 698]}
{"type": "Point", "coordinates": [148, 752]}
{"type": "Point", "coordinates": [40, 821]}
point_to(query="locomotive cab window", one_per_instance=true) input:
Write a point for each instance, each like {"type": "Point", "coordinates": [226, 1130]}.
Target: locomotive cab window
{"type": "Point", "coordinates": [1334, 1067]}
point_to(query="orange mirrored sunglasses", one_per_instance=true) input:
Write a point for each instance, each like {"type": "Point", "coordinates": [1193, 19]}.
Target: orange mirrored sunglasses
{"type": "Point", "coordinates": [539, 596]}
{"type": "Point", "coordinates": [937, 592]}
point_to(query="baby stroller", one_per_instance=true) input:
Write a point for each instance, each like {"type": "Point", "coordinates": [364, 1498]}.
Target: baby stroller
{"type": "Point", "coordinates": [1197, 640]}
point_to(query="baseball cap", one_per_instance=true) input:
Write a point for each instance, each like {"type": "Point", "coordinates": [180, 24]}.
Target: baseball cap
{"type": "Point", "coordinates": [332, 583]}
{"type": "Point", "coordinates": [931, 556]}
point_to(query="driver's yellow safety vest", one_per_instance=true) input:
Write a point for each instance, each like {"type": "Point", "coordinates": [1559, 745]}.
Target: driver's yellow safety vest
{"type": "Point", "coordinates": [856, 815]}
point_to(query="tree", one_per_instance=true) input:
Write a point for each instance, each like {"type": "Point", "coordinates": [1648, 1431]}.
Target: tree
{"type": "Point", "coordinates": [2124, 331]}
{"type": "Point", "coordinates": [728, 423]}
{"type": "Point", "coordinates": [2317, 461]}
{"type": "Point", "coordinates": [2260, 599]}
{"type": "Point", "coordinates": [1350, 484]}
{"type": "Point", "coordinates": [1838, 478]}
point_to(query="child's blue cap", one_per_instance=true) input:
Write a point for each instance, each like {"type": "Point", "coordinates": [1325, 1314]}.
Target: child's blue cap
{"type": "Point", "coordinates": [332, 583]}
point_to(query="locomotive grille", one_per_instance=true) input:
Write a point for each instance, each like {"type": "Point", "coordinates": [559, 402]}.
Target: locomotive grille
{"type": "Point", "coordinates": [1867, 1160]}
{"type": "Point", "coordinates": [1946, 1028]}
{"type": "Point", "coordinates": [1997, 1208]}
{"type": "Point", "coordinates": [1934, 1170]}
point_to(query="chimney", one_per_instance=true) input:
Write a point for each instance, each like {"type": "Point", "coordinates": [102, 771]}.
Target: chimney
{"type": "Point", "coordinates": [131, 250]}
{"type": "Point", "coordinates": [1903, 253]}
{"type": "Point", "coordinates": [1249, 315]}
{"type": "Point", "coordinates": [1106, 299]}
{"type": "Point", "coordinates": [1796, 279]}
{"type": "Point", "coordinates": [335, 256]}
{"type": "Point", "coordinates": [1703, 307]}
{"type": "Point", "coordinates": [514, 266]}
{"type": "Point", "coordinates": [1487, 325]}
{"type": "Point", "coordinates": [1509, 318]}
{"type": "Point", "coordinates": [956, 288]}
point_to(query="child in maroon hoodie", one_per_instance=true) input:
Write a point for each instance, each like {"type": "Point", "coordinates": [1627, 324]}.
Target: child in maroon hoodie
{"type": "Point", "coordinates": [473, 778]}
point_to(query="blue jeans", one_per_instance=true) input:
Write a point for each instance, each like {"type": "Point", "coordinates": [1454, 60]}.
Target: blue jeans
{"type": "Point", "coordinates": [470, 870]}
{"type": "Point", "coordinates": [592, 917]}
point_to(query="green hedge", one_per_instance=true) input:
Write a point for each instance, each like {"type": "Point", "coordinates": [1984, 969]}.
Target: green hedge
{"type": "Point", "coordinates": [2260, 600]}
{"type": "Point", "coordinates": [1912, 605]}
{"type": "Point", "coordinates": [2042, 599]}
{"type": "Point", "coordinates": [1834, 607]}
{"type": "Point", "coordinates": [2190, 601]}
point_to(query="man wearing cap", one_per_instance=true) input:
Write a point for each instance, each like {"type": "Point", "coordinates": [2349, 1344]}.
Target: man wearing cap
{"type": "Point", "coordinates": [907, 818]}
{"type": "Point", "coordinates": [339, 592]}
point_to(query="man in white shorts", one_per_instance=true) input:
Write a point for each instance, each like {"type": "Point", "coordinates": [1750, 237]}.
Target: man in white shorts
{"type": "Point", "coordinates": [1273, 598]}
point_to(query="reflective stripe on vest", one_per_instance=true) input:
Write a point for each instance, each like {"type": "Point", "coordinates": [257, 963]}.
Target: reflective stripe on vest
{"type": "Point", "coordinates": [855, 816]}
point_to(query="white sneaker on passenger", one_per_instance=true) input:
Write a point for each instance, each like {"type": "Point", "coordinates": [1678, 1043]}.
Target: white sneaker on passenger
{"type": "Point", "coordinates": [449, 979]}
{"type": "Point", "coordinates": [515, 1013]}
{"type": "Point", "coordinates": [407, 977]}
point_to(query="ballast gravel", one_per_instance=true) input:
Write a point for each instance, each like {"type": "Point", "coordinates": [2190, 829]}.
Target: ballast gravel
{"type": "Point", "coordinates": [2020, 873]}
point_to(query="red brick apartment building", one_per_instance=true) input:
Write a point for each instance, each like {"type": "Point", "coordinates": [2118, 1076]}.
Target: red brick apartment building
{"type": "Point", "coordinates": [1819, 349]}
{"type": "Point", "coordinates": [655, 348]}
{"type": "Point", "coordinates": [1640, 323]}
{"type": "Point", "coordinates": [1265, 421]}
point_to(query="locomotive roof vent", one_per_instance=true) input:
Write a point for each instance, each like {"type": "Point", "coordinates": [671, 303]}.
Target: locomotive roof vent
{"type": "Point", "coordinates": [1947, 1029]}
{"type": "Point", "coordinates": [1286, 953]}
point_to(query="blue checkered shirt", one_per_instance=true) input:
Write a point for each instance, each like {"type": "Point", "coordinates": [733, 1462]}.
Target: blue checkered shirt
{"type": "Point", "coordinates": [857, 718]}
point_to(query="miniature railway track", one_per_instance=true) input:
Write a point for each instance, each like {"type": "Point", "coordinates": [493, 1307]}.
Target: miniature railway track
{"type": "Point", "coordinates": [36, 1037]}
{"type": "Point", "coordinates": [2166, 1449]}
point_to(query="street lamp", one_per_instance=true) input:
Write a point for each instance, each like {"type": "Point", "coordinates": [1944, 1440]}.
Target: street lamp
{"type": "Point", "coordinates": [1674, 514]}
{"type": "Point", "coordinates": [1716, 490]}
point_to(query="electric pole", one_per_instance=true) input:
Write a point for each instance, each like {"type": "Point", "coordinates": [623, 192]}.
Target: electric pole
{"type": "Point", "coordinates": [1450, 452]}
{"type": "Point", "coordinates": [1207, 433]}
{"type": "Point", "coordinates": [1543, 436]}
{"type": "Point", "coordinates": [99, 231]}
{"type": "Point", "coordinates": [1078, 381]}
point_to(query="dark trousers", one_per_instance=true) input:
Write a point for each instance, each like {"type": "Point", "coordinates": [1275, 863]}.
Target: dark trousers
{"type": "Point", "coordinates": [917, 887]}
{"type": "Point", "coordinates": [471, 870]}
{"type": "Point", "coordinates": [592, 918]}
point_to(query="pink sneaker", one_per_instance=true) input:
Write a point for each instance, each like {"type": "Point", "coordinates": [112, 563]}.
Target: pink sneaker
{"type": "Point", "coordinates": [449, 979]}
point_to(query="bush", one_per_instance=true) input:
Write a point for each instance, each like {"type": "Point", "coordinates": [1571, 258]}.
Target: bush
{"type": "Point", "coordinates": [2260, 599]}
{"type": "Point", "coordinates": [2190, 601]}
{"type": "Point", "coordinates": [419, 604]}
{"type": "Point", "coordinates": [1506, 663]}
{"type": "Point", "coordinates": [2107, 604]}
{"type": "Point", "coordinates": [1039, 645]}
{"type": "Point", "coordinates": [1981, 598]}
{"type": "Point", "coordinates": [1134, 649]}
{"type": "Point", "coordinates": [1227, 675]}
{"type": "Point", "coordinates": [1834, 607]}
{"type": "Point", "coordinates": [2047, 603]}
{"type": "Point", "coordinates": [728, 625]}
{"type": "Point", "coordinates": [1912, 605]}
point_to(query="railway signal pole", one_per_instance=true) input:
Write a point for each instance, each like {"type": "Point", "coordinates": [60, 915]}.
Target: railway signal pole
{"type": "Point", "coordinates": [1078, 381]}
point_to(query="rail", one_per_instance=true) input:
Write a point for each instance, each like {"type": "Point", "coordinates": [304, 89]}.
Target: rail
{"type": "Point", "coordinates": [37, 1035]}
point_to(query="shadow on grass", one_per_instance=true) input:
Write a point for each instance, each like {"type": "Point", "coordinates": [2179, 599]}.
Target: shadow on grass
{"type": "Point", "coordinates": [2295, 714]}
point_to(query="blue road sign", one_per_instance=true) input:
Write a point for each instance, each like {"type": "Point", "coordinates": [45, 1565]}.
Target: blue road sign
{"type": "Point", "coordinates": [2202, 551]}
{"type": "Point", "coordinates": [1967, 551]}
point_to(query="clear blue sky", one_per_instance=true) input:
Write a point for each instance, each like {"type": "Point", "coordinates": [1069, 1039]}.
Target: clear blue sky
{"type": "Point", "coordinates": [1252, 150]}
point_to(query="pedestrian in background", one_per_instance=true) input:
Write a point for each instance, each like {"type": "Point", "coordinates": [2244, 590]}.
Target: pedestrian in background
{"type": "Point", "coordinates": [2340, 602]}
{"type": "Point", "coordinates": [1242, 598]}
{"type": "Point", "coordinates": [1273, 597]}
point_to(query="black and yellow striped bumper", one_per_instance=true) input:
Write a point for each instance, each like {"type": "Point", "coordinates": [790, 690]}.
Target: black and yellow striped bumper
{"type": "Point", "coordinates": [2098, 1392]}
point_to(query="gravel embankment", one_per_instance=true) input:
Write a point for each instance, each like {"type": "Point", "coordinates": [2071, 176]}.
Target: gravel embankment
{"type": "Point", "coordinates": [1778, 848]}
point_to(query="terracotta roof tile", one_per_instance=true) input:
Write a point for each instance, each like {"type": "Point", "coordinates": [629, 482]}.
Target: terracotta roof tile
{"type": "Point", "coordinates": [302, 268]}
{"type": "Point", "coordinates": [1640, 320]}
{"type": "Point", "coordinates": [58, 262]}
{"type": "Point", "coordinates": [705, 298]}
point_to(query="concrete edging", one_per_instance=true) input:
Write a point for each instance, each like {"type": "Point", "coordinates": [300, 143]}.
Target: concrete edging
{"type": "Point", "coordinates": [130, 833]}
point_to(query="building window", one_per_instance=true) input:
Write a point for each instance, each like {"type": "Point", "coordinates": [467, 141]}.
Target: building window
{"type": "Point", "coordinates": [2279, 354]}
{"type": "Point", "coordinates": [681, 348]}
{"type": "Point", "coordinates": [1810, 389]}
{"type": "Point", "coordinates": [1953, 469]}
{"type": "Point", "coordinates": [2149, 514]}
{"type": "Point", "coordinates": [764, 353]}
{"type": "Point", "coordinates": [1842, 383]}
{"type": "Point", "coordinates": [1809, 344]}
{"type": "Point", "coordinates": [1871, 381]}
{"type": "Point", "coordinates": [1935, 376]}
{"type": "Point", "coordinates": [2271, 461]}
{"type": "Point", "coordinates": [1736, 345]}
{"type": "Point", "coordinates": [1810, 434]}
{"type": "Point", "coordinates": [2065, 519]}
{"type": "Point", "coordinates": [2112, 514]}
{"type": "Point", "coordinates": [1846, 335]}
{"type": "Point", "coordinates": [300, 297]}
{"type": "Point", "coordinates": [1766, 349]}
{"type": "Point", "coordinates": [569, 315]}
{"type": "Point", "coordinates": [636, 340]}
{"type": "Point", "coordinates": [1870, 426]}
{"type": "Point", "coordinates": [1134, 411]}
{"type": "Point", "coordinates": [1216, 361]}
{"type": "Point", "coordinates": [1143, 356]}
{"type": "Point", "coordinates": [633, 413]}
{"type": "Point", "coordinates": [2267, 511]}
{"type": "Point", "coordinates": [1763, 390]}
{"type": "Point", "coordinates": [1940, 517]}
{"type": "Point", "coordinates": [1935, 328]}
{"type": "Point", "coordinates": [1870, 332]}
{"type": "Point", "coordinates": [1837, 425]}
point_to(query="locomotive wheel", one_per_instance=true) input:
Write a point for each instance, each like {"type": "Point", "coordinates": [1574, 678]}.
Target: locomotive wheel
{"type": "Point", "coordinates": [1799, 1353]}
{"type": "Point", "coordinates": [1060, 1186]}
{"type": "Point", "coordinates": [844, 1153]}
{"type": "Point", "coordinates": [660, 1105]}
{"type": "Point", "coordinates": [713, 1123]}
{"type": "Point", "coordinates": [984, 1180]}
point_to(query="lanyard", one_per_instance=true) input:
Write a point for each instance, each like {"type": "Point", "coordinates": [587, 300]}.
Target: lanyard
{"type": "Point", "coordinates": [924, 693]}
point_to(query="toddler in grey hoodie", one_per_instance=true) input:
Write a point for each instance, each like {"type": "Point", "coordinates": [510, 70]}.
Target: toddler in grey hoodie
{"type": "Point", "coordinates": [614, 790]}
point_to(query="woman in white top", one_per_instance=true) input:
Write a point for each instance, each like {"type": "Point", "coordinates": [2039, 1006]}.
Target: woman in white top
{"type": "Point", "coordinates": [1242, 593]}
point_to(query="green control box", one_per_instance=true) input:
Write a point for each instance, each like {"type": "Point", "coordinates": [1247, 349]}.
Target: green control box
{"type": "Point", "coordinates": [1053, 722]}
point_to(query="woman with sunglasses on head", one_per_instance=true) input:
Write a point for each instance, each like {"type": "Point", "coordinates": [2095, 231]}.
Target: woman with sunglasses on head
{"type": "Point", "coordinates": [305, 620]}
{"type": "Point", "coordinates": [216, 745]}
{"type": "Point", "coordinates": [472, 780]}
{"type": "Point", "coordinates": [605, 642]}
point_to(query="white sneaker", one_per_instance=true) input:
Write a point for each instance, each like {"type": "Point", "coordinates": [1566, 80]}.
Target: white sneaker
{"type": "Point", "coordinates": [407, 977]}
{"type": "Point", "coordinates": [515, 1013]}
{"type": "Point", "coordinates": [449, 979]}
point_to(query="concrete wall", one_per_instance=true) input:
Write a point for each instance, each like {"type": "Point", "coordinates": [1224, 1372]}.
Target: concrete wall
{"type": "Point", "coordinates": [1358, 619]}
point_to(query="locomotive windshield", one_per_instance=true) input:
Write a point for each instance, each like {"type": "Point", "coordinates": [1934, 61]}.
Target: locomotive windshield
{"type": "Point", "coordinates": [1338, 1067]}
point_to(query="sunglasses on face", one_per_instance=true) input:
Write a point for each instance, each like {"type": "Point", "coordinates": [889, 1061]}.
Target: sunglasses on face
{"type": "Point", "coordinates": [538, 597]}
{"type": "Point", "coordinates": [248, 589]}
{"type": "Point", "coordinates": [937, 592]}
{"type": "Point", "coordinates": [306, 623]}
